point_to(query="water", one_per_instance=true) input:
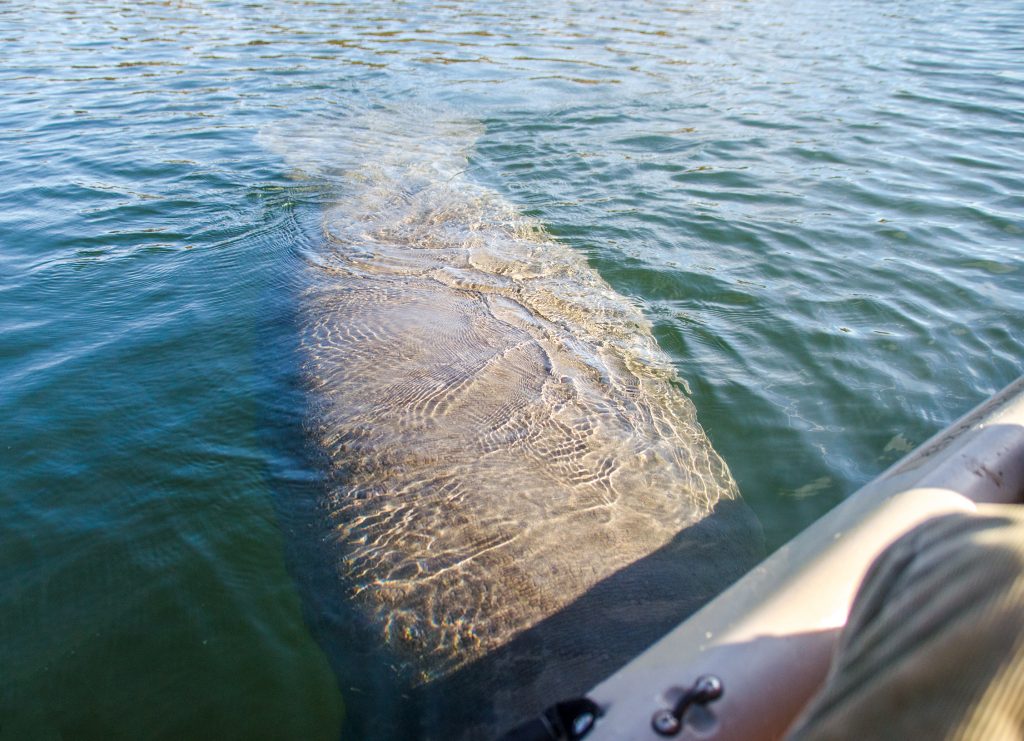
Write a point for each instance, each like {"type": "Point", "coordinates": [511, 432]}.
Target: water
{"type": "Point", "coordinates": [817, 207]}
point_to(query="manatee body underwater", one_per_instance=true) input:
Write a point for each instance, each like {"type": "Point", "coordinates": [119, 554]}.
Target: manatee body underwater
{"type": "Point", "coordinates": [520, 497]}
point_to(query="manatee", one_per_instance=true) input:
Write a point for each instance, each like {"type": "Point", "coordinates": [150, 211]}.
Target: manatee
{"type": "Point", "coordinates": [520, 496]}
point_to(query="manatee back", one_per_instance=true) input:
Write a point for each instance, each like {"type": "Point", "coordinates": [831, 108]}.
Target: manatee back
{"type": "Point", "coordinates": [520, 493]}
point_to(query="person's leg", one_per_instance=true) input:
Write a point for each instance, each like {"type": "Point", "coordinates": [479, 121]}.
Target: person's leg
{"type": "Point", "coordinates": [934, 647]}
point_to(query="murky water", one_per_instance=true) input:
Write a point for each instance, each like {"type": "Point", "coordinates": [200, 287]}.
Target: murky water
{"type": "Point", "coordinates": [805, 219]}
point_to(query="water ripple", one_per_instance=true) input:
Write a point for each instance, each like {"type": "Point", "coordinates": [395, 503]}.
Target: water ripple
{"type": "Point", "coordinates": [818, 206]}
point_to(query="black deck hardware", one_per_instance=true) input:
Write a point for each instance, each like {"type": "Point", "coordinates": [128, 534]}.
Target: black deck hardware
{"type": "Point", "coordinates": [668, 722]}
{"type": "Point", "coordinates": [569, 720]}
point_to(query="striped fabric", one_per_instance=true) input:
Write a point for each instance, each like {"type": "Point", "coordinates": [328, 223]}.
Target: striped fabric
{"type": "Point", "coordinates": [934, 647]}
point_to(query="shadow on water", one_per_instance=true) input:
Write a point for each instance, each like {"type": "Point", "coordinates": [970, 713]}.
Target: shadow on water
{"type": "Point", "coordinates": [560, 657]}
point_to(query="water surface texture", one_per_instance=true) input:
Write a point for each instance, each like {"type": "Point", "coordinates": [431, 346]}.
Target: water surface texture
{"type": "Point", "coordinates": [816, 208]}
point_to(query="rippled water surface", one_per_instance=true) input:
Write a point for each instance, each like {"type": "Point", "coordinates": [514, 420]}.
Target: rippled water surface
{"type": "Point", "coordinates": [818, 207]}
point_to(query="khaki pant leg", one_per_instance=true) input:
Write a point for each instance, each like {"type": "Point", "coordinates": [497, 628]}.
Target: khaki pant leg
{"type": "Point", "coordinates": [934, 647]}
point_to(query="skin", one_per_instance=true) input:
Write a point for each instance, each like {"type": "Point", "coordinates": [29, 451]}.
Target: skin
{"type": "Point", "coordinates": [513, 465]}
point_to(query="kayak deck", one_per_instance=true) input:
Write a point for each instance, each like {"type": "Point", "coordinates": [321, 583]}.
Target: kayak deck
{"type": "Point", "coordinates": [769, 638]}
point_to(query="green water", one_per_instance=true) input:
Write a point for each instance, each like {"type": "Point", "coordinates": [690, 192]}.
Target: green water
{"type": "Point", "coordinates": [818, 205]}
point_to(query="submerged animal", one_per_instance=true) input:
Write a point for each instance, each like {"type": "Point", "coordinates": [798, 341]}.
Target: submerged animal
{"type": "Point", "coordinates": [520, 494]}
